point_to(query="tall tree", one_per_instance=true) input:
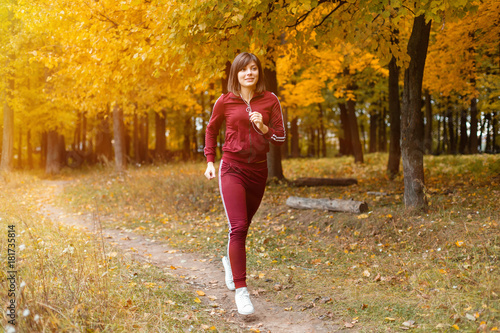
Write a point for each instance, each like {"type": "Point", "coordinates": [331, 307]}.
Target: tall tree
{"type": "Point", "coordinates": [119, 138]}
{"type": "Point", "coordinates": [428, 123]}
{"type": "Point", "coordinates": [7, 29]}
{"type": "Point", "coordinates": [395, 120]}
{"type": "Point", "coordinates": [274, 164]}
{"type": "Point", "coordinates": [412, 149]}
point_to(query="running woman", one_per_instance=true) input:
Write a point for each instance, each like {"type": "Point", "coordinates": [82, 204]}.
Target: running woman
{"type": "Point", "coordinates": [253, 119]}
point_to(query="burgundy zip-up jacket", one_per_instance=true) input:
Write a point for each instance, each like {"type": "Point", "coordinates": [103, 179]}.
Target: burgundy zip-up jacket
{"type": "Point", "coordinates": [244, 142]}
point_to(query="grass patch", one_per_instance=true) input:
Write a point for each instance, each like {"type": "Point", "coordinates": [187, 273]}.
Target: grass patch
{"type": "Point", "coordinates": [377, 270]}
{"type": "Point", "coordinates": [67, 282]}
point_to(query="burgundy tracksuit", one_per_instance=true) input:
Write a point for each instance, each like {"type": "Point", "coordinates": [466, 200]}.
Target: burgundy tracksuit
{"type": "Point", "coordinates": [243, 168]}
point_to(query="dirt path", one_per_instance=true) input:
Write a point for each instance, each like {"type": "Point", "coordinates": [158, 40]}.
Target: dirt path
{"type": "Point", "coordinates": [198, 272]}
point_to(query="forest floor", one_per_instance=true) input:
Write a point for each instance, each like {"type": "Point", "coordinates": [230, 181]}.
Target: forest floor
{"type": "Point", "coordinates": [150, 255]}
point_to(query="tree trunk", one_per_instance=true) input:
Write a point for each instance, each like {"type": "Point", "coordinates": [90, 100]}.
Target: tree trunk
{"type": "Point", "coordinates": [194, 137]}
{"type": "Point", "coordinates": [20, 149]}
{"type": "Point", "coordinates": [103, 145]}
{"type": "Point", "coordinates": [494, 132]}
{"type": "Point", "coordinates": [161, 139]}
{"type": "Point", "coordinates": [428, 123]}
{"type": "Point", "coordinates": [225, 79]}
{"type": "Point", "coordinates": [63, 158]}
{"type": "Point", "coordinates": [76, 134]}
{"type": "Point", "coordinates": [311, 151]}
{"type": "Point", "coordinates": [30, 150]}
{"type": "Point", "coordinates": [135, 138]}
{"type": "Point", "coordinates": [382, 131]}
{"type": "Point", "coordinates": [84, 133]}
{"type": "Point", "coordinates": [488, 131]}
{"type": "Point", "coordinates": [374, 118]}
{"type": "Point", "coordinates": [8, 130]}
{"type": "Point", "coordinates": [274, 165]}
{"type": "Point", "coordinates": [473, 142]}
{"type": "Point", "coordinates": [322, 132]}
{"type": "Point", "coordinates": [128, 144]}
{"type": "Point", "coordinates": [53, 165]}
{"type": "Point", "coordinates": [294, 132]}
{"type": "Point", "coordinates": [43, 151]}
{"type": "Point", "coordinates": [345, 141]}
{"type": "Point", "coordinates": [411, 123]}
{"type": "Point", "coordinates": [119, 139]}
{"type": "Point", "coordinates": [395, 119]}
{"type": "Point", "coordinates": [452, 148]}
{"type": "Point", "coordinates": [446, 141]}
{"type": "Point", "coordinates": [204, 116]}
{"type": "Point", "coordinates": [363, 136]}
{"type": "Point", "coordinates": [285, 148]}
{"type": "Point", "coordinates": [462, 148]}
{"type": "Point", "coordinates": [187, 138]}
{"type": "Point", "coordinates": [481, 131]}
{"type": "Point", "coordinates": [336, 205]}
{"type": "Point", "coordinates": [353, 123]}
{"type": "Point", "coordinates": [143, 138]}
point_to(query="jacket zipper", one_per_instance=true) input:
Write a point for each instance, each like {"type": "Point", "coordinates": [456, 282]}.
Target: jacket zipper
{"type": "Point", "coordinates": [249, 127]}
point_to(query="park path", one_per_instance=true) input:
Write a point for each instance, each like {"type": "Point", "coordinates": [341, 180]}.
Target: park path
{"type": "Point", "coordinates": [197, 271]}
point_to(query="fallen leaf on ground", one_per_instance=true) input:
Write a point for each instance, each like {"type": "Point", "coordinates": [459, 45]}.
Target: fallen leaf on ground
{"type": "Point", "coordinates": [470, 317]}
{"type": "Point", "coordinates": [409, 323]}
{"type": "Point", "coordinates": [200, 293]}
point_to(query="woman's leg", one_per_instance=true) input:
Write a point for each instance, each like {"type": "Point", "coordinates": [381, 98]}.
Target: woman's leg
{"type": "Point", "coordinates": [233, 196]}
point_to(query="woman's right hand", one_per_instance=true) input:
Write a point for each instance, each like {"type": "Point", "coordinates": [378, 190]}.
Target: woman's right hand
{"type": "Point", "coordinates": [210, 172]}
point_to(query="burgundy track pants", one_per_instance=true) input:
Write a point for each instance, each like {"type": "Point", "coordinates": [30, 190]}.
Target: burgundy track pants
{"type": "Point", "coordinates": [242, 187]}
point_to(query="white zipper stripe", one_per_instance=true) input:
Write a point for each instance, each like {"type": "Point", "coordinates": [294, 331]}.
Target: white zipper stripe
{"type": "Point", "coordinates": [280, 138]}
{"type": "Point", "coordinates": [225, 210]}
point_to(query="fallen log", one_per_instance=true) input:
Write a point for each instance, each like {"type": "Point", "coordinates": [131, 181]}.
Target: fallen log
{"type": "Point", "coordinates": [324, 182]}
{"type": "Point", "coordinates": [337, 205]}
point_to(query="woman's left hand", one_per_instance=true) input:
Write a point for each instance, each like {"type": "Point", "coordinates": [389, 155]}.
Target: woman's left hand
{"type": "Point", "coordinates": [256, 118]}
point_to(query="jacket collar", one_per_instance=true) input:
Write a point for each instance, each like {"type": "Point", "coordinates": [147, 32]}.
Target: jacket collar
{"type": "Point", "coordinates": [233, 96]}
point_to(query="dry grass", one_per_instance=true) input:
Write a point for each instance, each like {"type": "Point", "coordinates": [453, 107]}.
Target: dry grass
{"type": "Point", "coordinates": [67, 281]}
{"type": "Point", "coordinates": [377, 270]}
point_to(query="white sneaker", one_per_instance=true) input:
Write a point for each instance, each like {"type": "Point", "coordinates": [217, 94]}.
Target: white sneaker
{"type": "Point", "coordinates": [242, 298]}
{"type": "Point", "coordinates": [229, 274]}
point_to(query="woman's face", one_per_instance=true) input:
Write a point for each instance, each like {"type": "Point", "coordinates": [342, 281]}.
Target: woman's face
{"type": "Point", "coordinates": [249, 76]}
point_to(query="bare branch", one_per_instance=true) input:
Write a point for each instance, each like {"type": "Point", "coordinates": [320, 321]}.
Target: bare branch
{"type": "Point", "coordinates": [304, 16]}
{"type": "Point", "coordinates": [329, 14]}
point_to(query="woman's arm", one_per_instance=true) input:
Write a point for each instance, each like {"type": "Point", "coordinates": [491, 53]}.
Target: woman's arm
{"type": "Point", "coordinates": [213, 128]}
{"type": "Point", "coordinates": [276, 130]}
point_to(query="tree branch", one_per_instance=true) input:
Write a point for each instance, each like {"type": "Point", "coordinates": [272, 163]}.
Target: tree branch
{"type": "Point", "coordinates": [304, 16]}
{"type": "Point", "coordinates": [329, 14]}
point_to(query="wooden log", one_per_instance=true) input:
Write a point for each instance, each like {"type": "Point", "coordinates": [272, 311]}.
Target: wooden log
{"type": "Point", "coordinates": [337, 205]}
{"type": "Point", "coordinates": [324, 182]}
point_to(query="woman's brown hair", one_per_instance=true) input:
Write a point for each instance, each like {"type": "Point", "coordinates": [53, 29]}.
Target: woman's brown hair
{"type": "Point", "coordinates": [240, 62]}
